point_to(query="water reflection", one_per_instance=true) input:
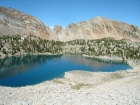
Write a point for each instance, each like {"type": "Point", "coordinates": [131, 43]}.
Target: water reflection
{"type": "Point", "coordinates": [10, 66]}
{"type": "Point", "coordinates": [92, 62]}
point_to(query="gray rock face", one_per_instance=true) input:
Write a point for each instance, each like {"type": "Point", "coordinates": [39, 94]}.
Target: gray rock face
{"type": "Point", "coordinates": [14, 22]}
{"type": "Point", "coordinates": [57, 28]}
{"type": "Point", "coordinates": [99, 27]}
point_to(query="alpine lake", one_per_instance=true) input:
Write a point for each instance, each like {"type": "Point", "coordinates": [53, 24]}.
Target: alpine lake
{"type": "Point", "coordinates": [33, 69]}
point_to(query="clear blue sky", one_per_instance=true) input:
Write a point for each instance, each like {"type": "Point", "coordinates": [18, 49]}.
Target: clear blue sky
{"type": "Point", "coordinates": [64, 12]}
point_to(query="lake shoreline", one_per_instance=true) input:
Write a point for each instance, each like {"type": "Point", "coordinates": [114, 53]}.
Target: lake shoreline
{"type": "Point", "coordinates": [80, 87]}
{"type": "Point", "coordinates": [25, 54]}
{"type": "Point", "coordinates": [105, 58]}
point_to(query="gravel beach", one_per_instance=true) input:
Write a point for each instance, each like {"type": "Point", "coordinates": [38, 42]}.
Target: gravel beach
{"type": "Point", "coordinates": [80, 88]}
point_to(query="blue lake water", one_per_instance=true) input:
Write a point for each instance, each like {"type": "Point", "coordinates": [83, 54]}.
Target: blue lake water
{"type": "Point", "coordinates": [34, 69]}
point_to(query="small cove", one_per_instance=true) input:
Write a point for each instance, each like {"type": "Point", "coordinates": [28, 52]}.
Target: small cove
{"type": "Point", "coordinates": [34, 69]}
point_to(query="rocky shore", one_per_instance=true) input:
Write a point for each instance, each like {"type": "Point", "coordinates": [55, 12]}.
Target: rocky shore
{"type": "Point", "coordinates": [105, 58]}
{"type": "Point", "coordinates": [80, 88]}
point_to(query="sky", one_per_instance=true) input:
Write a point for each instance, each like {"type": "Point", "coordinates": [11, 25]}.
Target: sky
{"type": "Point", "coordinates": [65, 12]}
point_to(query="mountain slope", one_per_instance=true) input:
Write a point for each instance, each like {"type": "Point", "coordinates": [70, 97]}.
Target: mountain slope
{"type": "Point", "coordinates": [97, 28]}
{"type": "Point", "coordinates": [13, 22]}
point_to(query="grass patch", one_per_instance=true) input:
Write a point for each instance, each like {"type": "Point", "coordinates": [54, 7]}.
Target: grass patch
{"type": "Point", "coordinates": [116, 75]}
{"type": "Point", "coordinates": [79, 86]}
{"type": "Point", "coordinates": [58, 81]}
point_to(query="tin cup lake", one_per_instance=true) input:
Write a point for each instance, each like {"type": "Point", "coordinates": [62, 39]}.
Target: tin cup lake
{"type": "Point", "coordinates": [33, 69]}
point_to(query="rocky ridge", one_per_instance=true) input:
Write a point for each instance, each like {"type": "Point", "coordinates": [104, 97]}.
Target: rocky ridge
{"type": "Point", "coordinates": [13, 22]}
{"type": "Point", "coordinates": [99, 27]}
